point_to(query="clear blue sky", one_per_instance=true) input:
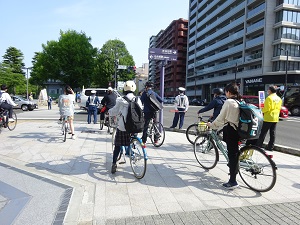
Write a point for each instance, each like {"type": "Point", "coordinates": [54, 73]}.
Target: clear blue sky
{"type": "Point", "coordinates": [27, 24]}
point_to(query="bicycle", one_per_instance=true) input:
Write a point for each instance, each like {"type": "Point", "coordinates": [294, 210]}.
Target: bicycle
{"type": "Point", "coordinates": [65, 127]}
{"type": "Point", "coordinates": [256, 168]}
{"type": "Point", "coordinates": [137, 154]}
{"type": "Point", "coordinates": [156, 132]}
{"type": "Point", "coordinates": [4, 120]}
{"type": "Point", "coordinates": [196, 129]}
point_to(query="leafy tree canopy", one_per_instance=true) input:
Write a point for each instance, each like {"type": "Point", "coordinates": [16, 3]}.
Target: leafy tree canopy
{"type": "Point", "coordinates": [13, 58]}
{"type": "Point", "coordinates": [71, 60]}
{"type": "Point", "coordinates": [105, 67]}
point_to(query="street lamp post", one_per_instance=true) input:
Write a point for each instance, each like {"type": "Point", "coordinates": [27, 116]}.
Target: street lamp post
{"type": "Point", "coordinates": [27, 68]}
{"type": "Point", "coordinates": [286, 66]}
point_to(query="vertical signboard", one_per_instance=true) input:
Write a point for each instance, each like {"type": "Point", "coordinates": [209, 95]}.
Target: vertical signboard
{"type": "Point", "coordinates": [261, 99]}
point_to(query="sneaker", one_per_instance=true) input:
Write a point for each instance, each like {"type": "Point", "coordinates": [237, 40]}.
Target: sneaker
{"type": "Point", "coordinates": [11, 120]}
{"type": "Point", "coordinates": [113, 168]}
{"type": "Point", "coordinates": [230, 185]}
{"type": "Point", "coordinates": [73, 136]}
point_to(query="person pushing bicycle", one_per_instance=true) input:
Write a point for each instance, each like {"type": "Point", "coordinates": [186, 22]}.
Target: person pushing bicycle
{"type": "Point", "coordinates": [229, 116]}
{"type": "Point", "coordinates": [122, 137]}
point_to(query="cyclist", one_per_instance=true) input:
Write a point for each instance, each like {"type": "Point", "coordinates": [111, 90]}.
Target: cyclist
{"type": "Point", "coordinates": [122, 137]}
{"type": "Point", "coordinates": [229, 116]}
{"type": "Point", "coordinates": [66, 107]}
{"type": "Point", "coordinates": [109, 101]}
{"type": "Point", "coordinates": [215, 104]}
{"type": "Point", "coordinates": [6, 102]}
{"type": "Point", "coordinates": [149, 111]}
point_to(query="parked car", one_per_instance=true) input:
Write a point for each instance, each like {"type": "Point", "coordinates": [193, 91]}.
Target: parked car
{"type": "Point", "coordinates": [252, 99]}
{"type": "Point", "coordinates": [197, 102]}
{"type": "Point", "coordinates": [292, 100]}
{"type": "Point", "coordinates": [100, 92]}
{"type": "Point", "coordinates": [169, 100]}
{"type": "Point", "coordinates": [24, 104]}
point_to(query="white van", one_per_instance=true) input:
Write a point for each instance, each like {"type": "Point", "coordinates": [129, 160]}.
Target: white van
{"type": "Point", "coordinates": [100, 92]}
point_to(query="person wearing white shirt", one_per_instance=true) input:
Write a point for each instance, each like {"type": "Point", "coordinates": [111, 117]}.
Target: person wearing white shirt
{"type": "Point", "coordinates": [120, 110]}
{"type": "Point", "coordinates": [7, 102]}
{"type": "Point", "coordinates": [181, 107]}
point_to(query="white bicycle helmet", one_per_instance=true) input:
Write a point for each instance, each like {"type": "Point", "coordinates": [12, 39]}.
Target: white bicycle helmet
{"type": "Point", "coordinates": [129, 86]}
{"type": "Point", "coordinates": [110, 89]}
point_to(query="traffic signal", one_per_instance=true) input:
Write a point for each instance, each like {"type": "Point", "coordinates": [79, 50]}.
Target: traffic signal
{"type": "Point", "coordinates": [131, 68]}
{"type": "Point", "coordinates": [116, 62]}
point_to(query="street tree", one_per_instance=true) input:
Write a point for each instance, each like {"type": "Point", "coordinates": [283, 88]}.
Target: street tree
{"type": "Point", "coordinates": [112, 54]}
{"type": "Point", "coordinates": [13, 58]}
{"type": "Point", "coordinates": [15, 81]}
{"type": "Point", "coordinates": [71, 60]}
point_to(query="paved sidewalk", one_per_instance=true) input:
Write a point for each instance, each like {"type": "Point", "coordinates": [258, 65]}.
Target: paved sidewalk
{"type": "Point", "coordinates": [46, 181]}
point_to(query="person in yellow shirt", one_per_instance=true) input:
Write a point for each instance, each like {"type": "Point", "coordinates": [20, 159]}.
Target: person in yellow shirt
{"type": "Point", "coordinates": [271, 112]}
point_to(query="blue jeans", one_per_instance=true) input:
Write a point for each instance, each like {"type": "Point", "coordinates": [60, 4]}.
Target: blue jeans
{"type": "Point", "coordinates": [178, 115]}
{"type": "Point", "coordinates": [92, 111]}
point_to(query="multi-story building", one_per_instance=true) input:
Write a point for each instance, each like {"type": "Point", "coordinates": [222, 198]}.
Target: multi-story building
{"type": "Point", "coordinates": [243, 40]}
{"type": "Point", "coordinates": [141, 76]}
{"type": "Point", "coordinates": [152, 63]}
{"type": "Point", "coordinates": [173, 37]}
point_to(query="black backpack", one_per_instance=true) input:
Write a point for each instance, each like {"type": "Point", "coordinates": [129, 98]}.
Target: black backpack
{"type": "Point", "coordinates": [135, 118]}
{"type": "Point", "coordinates": [154, 103]}
{"type": "Point", "coordinates": [250, 121]}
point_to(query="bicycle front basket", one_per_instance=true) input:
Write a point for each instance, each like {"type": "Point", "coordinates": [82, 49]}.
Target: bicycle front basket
{"type": "Point", "coordinates": [202, 127]}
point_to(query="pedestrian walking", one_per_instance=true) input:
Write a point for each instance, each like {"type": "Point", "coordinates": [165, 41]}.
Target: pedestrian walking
{"type": "Point", "coordinates": [181, 107]}
{"type": "Point", "coordinates": [92, 104]}
{"type": "Point", "coordinates": [271, 112]}
{"type": "Point", "coordinates": [229, 116]}
{"type": "Point", "coordinates": [149, 111]}
{"type": "Point", "coordinates": [49, 102]}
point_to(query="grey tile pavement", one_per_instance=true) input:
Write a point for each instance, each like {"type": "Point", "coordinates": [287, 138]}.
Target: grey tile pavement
{"type": "Point", "coordinates": [175, 189]}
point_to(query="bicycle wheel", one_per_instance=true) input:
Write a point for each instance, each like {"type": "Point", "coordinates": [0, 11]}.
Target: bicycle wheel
{"type": "Point", "coordinates": [138, 160]}
{"type": "Point", "coordinates": [12, 125]}
{"type": "Point", "coordinates": [113, 139]}
{"type": "Point", "coordinates": [101, 124]}
{"type": "Point", "coordinates": [65, 130]}
{"type": "Point", "coordinates": [205, 152]}
{"type": "Point", "coordinates": [257, 169]}
{"type": "Point", "coordinates": [192, 132]}
{"type": "Point", "coordinates": [157, 134]}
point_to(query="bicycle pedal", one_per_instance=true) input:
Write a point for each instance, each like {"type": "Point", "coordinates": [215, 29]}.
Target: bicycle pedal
{"type": "Point", "coordinates": [123, 162]}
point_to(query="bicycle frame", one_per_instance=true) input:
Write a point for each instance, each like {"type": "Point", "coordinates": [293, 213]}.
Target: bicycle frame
{"type": "Point", "coordinates": [218, 143]}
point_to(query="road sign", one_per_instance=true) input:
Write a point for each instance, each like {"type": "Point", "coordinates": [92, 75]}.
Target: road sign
{"type": "Point", "coordinates": [122, 67]}
{"type": "Point", "coordinates": [162, 54]}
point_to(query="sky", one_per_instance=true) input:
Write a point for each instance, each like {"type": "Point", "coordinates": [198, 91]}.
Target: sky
{"type": "Point", "coordinates": [27, 24]}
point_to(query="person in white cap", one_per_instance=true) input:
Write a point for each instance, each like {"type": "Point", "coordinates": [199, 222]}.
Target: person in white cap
{"type": "Point", "coordinates": [92, 103]}
{"type": "Point", "coordinates": [109, 101]}
{"type": "Point", "coordinates": [181, 107]}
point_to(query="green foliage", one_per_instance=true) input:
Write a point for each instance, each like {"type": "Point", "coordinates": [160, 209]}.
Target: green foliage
{"type": "Point", "coordinates": [105, 63]}
{"type": "Point", "coordinates": [70, 60]}
{"type": "Point", "coordinates": [13, 58]}
{"type": "Point", "coordinates": [15, 81]}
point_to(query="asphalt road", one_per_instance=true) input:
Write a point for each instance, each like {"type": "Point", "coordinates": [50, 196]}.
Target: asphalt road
{"type": "Point", "coordinates": [287, 132]}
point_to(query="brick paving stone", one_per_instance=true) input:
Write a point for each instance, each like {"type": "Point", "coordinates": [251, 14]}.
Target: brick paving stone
{"type": "Point", "coordinates": [176, 219]}
{"type": "Point", "coordinates": [119, 222]}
